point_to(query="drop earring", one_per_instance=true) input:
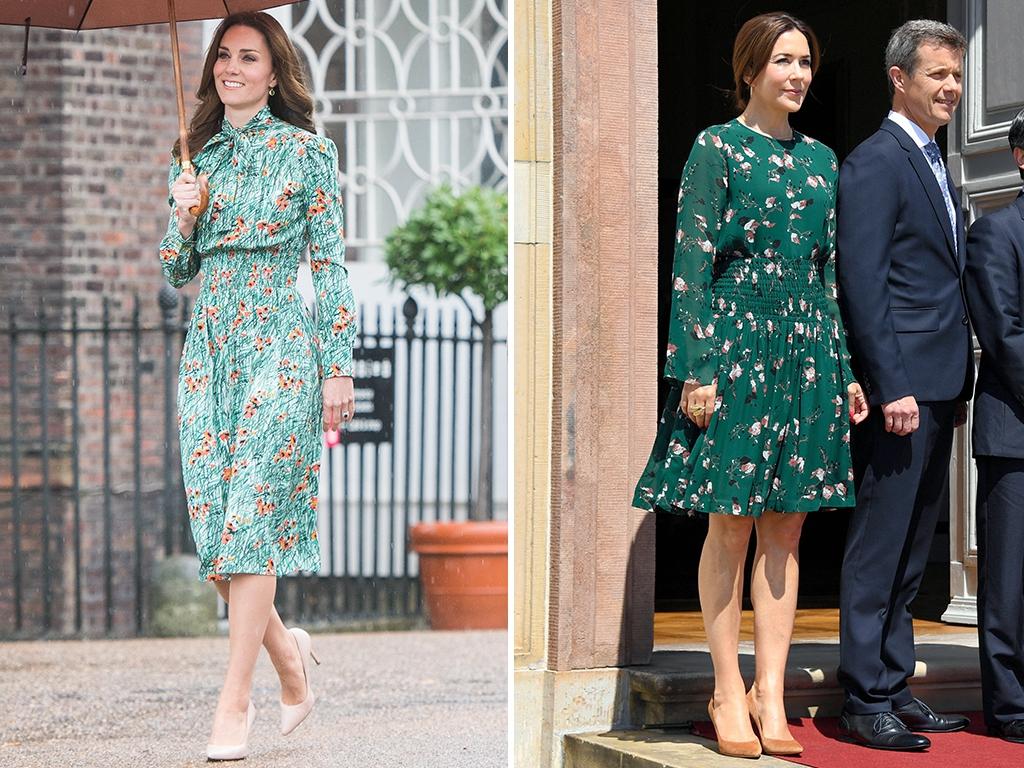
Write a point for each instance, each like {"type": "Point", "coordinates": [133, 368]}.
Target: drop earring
{"type": "Point", "coordinates": [271, 90]}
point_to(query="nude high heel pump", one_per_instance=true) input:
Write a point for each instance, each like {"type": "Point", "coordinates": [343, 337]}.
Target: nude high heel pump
{"type": "Point", "coordinates": [751, 749]}
{"type": "Point", "coordinates": [770, 746]}
{"type": "Point", "coordinates": [293, 714]}
{"type": "Point", "coordinates": [237, 751]}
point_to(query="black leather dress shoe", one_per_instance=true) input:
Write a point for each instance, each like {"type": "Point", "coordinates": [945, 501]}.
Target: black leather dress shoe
{"type": "Point", "coordinates": [1012, 731]}
{"type": "Point", "coordinates": [918, 716]}
{"type": "Point", "coordinates": [880, 731]}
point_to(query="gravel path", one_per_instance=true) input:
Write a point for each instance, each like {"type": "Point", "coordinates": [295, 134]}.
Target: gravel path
{"type": "Point", "coordinates": [403, 699]}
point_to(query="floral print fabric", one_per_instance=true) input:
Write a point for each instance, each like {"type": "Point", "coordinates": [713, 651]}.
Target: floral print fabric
{"type": "Point", "coordinates": [754, 309]}
{"type": "Point", "coordinates": [249, 385]}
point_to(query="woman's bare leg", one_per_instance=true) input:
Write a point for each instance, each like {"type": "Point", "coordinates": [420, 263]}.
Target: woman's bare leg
{"type": "Point", "coordinates": [252, 600]}
{"type": "Point", "coordinates": [773, 592]}
{"type": "Point", "coordinates": [284, 654]}
{"type": "Point", "coordinates": [720, 582]}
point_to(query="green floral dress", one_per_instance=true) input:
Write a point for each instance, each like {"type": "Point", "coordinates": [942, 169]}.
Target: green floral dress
{"type": "Point", "coordinates": [249, 383]}
{"type": "Point", "coordinates": [754, 309]}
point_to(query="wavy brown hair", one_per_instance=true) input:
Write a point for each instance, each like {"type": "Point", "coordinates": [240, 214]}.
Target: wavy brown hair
{"type": "Point", "coordinates": [291, 101]}
{"type": "Point", "coordinates": [753, 48]}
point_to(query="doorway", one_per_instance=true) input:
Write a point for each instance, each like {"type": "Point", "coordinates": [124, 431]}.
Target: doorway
{"type": "Point", "coordinates": [846, 104]}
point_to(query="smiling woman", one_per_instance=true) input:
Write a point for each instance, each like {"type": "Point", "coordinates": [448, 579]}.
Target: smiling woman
{"type": "Point", "coordinates": [244, 74]}
{"type": "Point", "coordinates": [258, 378]}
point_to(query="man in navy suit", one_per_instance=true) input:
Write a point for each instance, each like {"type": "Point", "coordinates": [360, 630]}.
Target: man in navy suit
{"type": "Point", "coordinates": [994, 279]}
{"type": "Point", "coordinates": [901, 260]}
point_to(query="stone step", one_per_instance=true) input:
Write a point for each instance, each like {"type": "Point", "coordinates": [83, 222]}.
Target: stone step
{"type": "Point", "coordinates": [675, 687]}
{"type": "Point", "coordinates": [652, 749]}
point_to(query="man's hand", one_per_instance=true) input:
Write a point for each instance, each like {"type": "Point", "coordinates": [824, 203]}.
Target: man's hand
{"type": "Point", "coordinates": [902, 416]}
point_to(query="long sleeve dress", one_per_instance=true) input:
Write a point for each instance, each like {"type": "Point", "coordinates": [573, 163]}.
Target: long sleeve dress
{"type": "Point", "coordinates": [754, 309]}
{"type": "Point", "coordinates": [249, 382]}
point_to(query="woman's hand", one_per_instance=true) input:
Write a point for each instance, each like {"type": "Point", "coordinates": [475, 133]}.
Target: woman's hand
{"type": "Point", "coordinates": [339, 402]}
{"type": "Point", "coordinates": [859, 407]}
{"type": "Point", "coordinates": [187, 192]}
{"type": "Point", "coordinates": [698, 402]}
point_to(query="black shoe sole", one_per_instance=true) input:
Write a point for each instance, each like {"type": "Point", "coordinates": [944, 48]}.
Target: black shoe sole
{"type": "Point", "coordinates": [937, 730]}
{"type": "Point", "coordinates": [851, 740]}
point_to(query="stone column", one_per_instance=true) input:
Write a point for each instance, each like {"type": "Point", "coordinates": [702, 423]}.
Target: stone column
{"type": "Point", "coordinates": [586, 320]}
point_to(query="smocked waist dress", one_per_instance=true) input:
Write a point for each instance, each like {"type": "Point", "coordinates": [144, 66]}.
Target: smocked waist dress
{"type": "Point", "coordinates": [754, 311]}
{"type": "Point", "coordinates": [251, 371]}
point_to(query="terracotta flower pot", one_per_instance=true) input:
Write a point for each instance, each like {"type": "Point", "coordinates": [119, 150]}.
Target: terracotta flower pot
{"type": "Point", "coordinates": [464, 573]}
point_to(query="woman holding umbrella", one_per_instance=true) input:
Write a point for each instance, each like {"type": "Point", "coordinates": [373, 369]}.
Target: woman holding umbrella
{"type": "Point", "coordinates": [257, 379]}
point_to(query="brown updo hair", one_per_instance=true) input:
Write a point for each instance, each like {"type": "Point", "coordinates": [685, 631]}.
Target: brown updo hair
{"type": "Point", "coordinates": [292, 100]}
{"type": "Point", "coordinates": [753, 48]}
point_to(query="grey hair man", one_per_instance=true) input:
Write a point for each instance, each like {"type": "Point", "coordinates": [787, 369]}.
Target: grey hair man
{"type": "Point", "coordinates": [900, 265]}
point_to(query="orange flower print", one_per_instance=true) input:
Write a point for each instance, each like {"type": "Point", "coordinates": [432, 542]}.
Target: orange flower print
{"type": "Point", "coordinates": [241, 228]}
{"type": "Point", "coordinates": [196, 384]}
{"type": "Point", "coordinates": [270, 228]}
{"type": "Point", "coordinates": [284, 199]}
{"type": "Point", "coordinates": [241, 315]}
{"type": "Point", "coordinates": [288, 451]}
{"type": "Point", "coordinates": [289, 383]}
{"type": "Point", "coordinates": [342, 321]}
{"type": "Point", "coordinates": [264, 508]}
{"type": "Point", "coordinates": [319, 205]}
{"type": "Point", "coordinates": [251, 406]}
{"type": "Point", "coordinates": [248, 357]}
{"type": "Point", "coordinates": [205, 446]}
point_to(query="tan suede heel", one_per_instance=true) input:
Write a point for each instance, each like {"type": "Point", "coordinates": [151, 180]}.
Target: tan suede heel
{"type": "Point", "coordinates": [751, 749]}
{"type": "Point", "coordinates": [770, 746]}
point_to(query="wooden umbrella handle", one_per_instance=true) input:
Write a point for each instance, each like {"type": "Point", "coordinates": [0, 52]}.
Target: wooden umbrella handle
{"type": "Point", "coordinates": [186, 159]}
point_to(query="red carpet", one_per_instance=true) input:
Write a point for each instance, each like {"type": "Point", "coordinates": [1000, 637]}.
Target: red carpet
{"type": "Point", "coordinates": [965, 749]}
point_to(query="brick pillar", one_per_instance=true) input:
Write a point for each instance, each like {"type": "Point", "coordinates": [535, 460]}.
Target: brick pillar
{"type": "Point", "coordinates": [84, 149]}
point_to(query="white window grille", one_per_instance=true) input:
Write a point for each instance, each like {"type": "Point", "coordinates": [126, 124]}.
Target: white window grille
{"type": "Point", "coordinates": [413, 92]}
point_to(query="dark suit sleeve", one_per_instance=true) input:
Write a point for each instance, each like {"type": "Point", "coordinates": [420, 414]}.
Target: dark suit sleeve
{"type": "Point", "coordinates": [868, 207]}
{"type": "Point", "coordinates": [993, 294]}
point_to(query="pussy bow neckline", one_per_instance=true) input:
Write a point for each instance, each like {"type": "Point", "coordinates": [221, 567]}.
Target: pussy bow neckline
{"type": "Point", "coordinates": [231, 142]}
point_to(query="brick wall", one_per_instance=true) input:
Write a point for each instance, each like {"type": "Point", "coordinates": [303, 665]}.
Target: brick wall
{"type": "Point", "coordinates": [84, 147]}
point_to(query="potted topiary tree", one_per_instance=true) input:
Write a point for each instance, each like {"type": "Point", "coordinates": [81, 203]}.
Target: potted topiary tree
{"type": "Point", "coordinates": [457, 244]}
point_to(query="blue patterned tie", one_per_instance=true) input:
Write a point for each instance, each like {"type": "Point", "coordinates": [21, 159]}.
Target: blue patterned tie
{"type": "Point", "coordinates": [931, 150]}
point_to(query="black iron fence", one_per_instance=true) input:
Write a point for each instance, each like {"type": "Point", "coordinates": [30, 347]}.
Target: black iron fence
{"type": "Point", "coordinates": [91, 494]}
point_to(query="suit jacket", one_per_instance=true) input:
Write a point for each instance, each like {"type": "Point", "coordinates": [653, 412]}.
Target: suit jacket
{"type": "Point", "coordinates": [994, 279]}
{"type": "Point", "coordinates": [900, 278]}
